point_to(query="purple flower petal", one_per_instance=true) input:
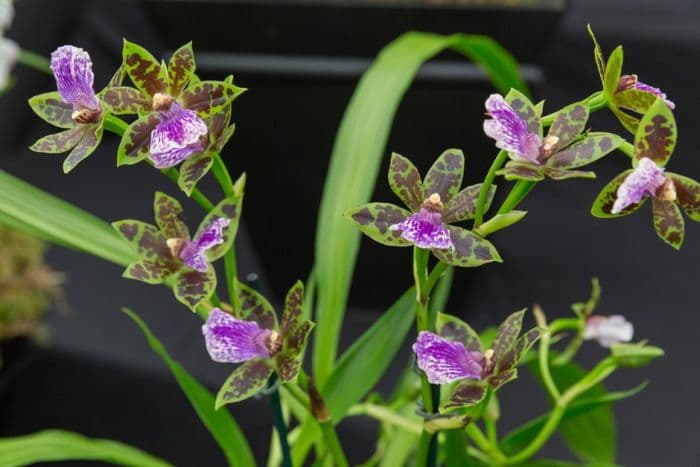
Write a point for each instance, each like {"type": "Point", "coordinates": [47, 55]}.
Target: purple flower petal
{"type": "Point", "coordinates": [510, 131]}
{"type": "Point", "coordinates": [608, 330]}
{"type": "Point", "coordinates": [230, 340]}
{"type": "Point", "coordinates": [445, 361]}
{"type": "Point", "coordinates": [643, 181]}
{"type": "Point", "coordinates": [179, 135]}
{"type": "Point", "coordinates": [425, 229]}
{"type": "Point", "coordinates": [655, 91]}
{"type": "Point", "coordinates": [193, 253]}
{"type": "Point", "coordinates": [72, 69]}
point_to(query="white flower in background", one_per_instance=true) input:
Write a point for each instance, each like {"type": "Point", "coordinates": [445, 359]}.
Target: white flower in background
{"type": "Point", "coordinates": [9, 50]}
{"type": "Point", "coordinates": [7, 14]}
{"type": "Point", "coordinates": [608, 330]}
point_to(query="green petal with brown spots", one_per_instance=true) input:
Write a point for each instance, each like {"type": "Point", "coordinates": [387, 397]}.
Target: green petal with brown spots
{"type": "Point", "coordinates": [193, 287]}
{"type": "Point", "coordinates": [688, 194]}
{"type": "Point", "coordinates": [590, 149]}
{"type": "Point", "coordinates": [466, 393]}
{"type": "Point", "coordinates": [225, 137]}
{"type": "Point", "coordinates": [454, 329]}
{"type": "Point", "coordinates": [656, 134]}
{"type": "Point", "coordinates": [469, 250]}
{"type": "Point", "coordinates": [445, 175]}
{"type": "Point", "coordinates": [597, 55]}
{"type": "Point", "coordinates": [293, 307]}
{"type": "Point", "coordinates": [525, 110]}
{"type": "Point", "coordinates": [60, 142]}
{"type": "Point", "coordinates": [180, 69]}
{"type": "Point", "coordinates": [295, 340]}
{"type": "Point", "coordinates": [569, 123]}
{"type": "Point", "coordinates": [517, 170]}
{"type": "Point", "coordinates": [148, 241]}
{"type": "Point", "coordinates": [86, 146]}
{"type": "Point", "coordinates": [606, 199]}
{"type": "Point", "coordinates": [135, 144]}
{"type": "Point", "coordinates": [496, 381]}
{"type": "Point", "coordinates": [51, 108]}
{"type": "Point", "coordinates": [254, 307]}
{"type": "Point", "coordinates": [170, 217]}
{"type": "Point", "coordinates": [218, 122]}
{"type": "Point", "coordinates": [628, 121]}
{"type": "Point", "coordinates": [287, 367]}
{"type": "Point", "coordinates": [405, 181]}
{"type": "Point", "coordinates": [564, 174]}
{"type": "Point", "coordinates": [209, 97]}
{"type": "Point", "coordinates": [192, 171]}
{"type": "Point", "coordinates": [374, 220]}
{"type": "Point", "coordinates": [123, 100]}
{"type": "Point", "coordinates": [245, 381]}
{"type": "Point", "coordinates": [152, 271]}
{"type": "Point", "coordinates": [230, 208]}
{"type": "Point", "coordinates": [462, 206]}
{"type": "Point", "coordinates": [613, 70]}
{"type": "Point", "coordinates": [635, 100]}
{"type": "Point", "coordinates": [668, 222]}
{"type": "Point", "coordinates": [117, 78]}
{"type": "Point", "coordinates": [511, 357]}
{"type": "Point", "coordinates": [145, 72]}
{"type": "Point", "coordinates": [507, 334]}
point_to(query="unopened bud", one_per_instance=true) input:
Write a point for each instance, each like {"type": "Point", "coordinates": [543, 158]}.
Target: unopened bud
{"type": "Point", "coordinates": [540, 318]}
{"type": "Point", "coordinates": [318, 405]}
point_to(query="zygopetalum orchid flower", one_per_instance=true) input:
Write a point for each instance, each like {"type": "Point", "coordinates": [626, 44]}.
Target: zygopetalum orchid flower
{"type": "Point", "coordinates": [516, 127]}
{"type": "Point", "coordinates": [435, 204]}
{"type": "Point", "coordinates": [654, 142]}
{"type": "Point", "coordinates": [608, 330]}
{"type": "Point", "coordinates": [624, 91]}
{"type": "Point", "coordinates": [75, 107]}
{"type": "Point", "coordinates": [455, 354]}
{"type": "Point", "coordinates": [172, 104]}
{"type": "Point", "coordinates": [168, 253]}
{"type": "Point", "coordinates": [253, 337]}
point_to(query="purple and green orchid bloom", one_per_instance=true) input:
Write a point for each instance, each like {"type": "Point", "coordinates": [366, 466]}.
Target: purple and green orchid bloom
{"type": "Point", "coordinates": [654, 142]}
{"type": "Point", "coordinates": [515, 125]}
{"type": "Point", "coordinates": [455, 355]}
{"type": "Point", "coordinates": [172, 104]}
{"type": "Point", "coordinates": [434, 204]}
{"type": "Point", "coordinates": [75, 107]}
{"type": "Point", "coordinates": [168, 253]}
{"type": "Point", "coordinates": [624, 91]}
{"type": "Point", "coordinates": [253, 337]}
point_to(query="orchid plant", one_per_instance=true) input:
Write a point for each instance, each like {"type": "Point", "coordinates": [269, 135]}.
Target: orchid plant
{"type": "Point", "coordinates": [445, 408]}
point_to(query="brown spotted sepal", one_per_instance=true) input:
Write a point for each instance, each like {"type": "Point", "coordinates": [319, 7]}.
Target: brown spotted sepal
{"type": "Point", "coordinates": [434, 204]}
{"type": "Point", "coordinates": [566, 146]}
{"type": "Point", "coordinates": [654, 142]}
{"type": "Point", "coordinates": [252, 336]}
{"type": "Point", "coordinates": [168, 253]}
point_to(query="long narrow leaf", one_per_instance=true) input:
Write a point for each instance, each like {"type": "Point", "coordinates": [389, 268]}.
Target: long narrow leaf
{"type": "Point", "coordinates": [366, 360]}
{"type": "Point", "coordinates": [39, 213]}
{"type": "Point", "coordinates": [57, 445]}
{"type": "Point", "coordinates": [356, 158]}
{"type": "Point", "coordinates": [220, 423]}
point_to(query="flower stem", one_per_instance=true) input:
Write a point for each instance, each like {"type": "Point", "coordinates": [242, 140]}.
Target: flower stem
{"type": "Point", "coordinates": [278, 421]}
{"type": "Point", "coordinates": [483, 443]}
{"type": "Point", "coordinates": [498, 162]}
{"type": "Point", "coordinates": [627, 148]}
{"type": "Point", "coordinates": [516, 195]}
{"type": "Point", "coordinates": [547, 379]}
{"type": "Point", "coordinates": [34, 61]}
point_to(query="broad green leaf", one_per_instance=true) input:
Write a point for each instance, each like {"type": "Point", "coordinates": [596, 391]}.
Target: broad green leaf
{"type": "Point", "coordinates": [170, 217]}
{"type": "Point", "coordinates": [245, 381]}
{"type": "Point", "coordinates": [135, 144]}
{"type": "Point", "coordinates": [59, 142]}
{"type": "Point", "coordinates": [209, 97]}
{"type": "Point", "coordinates": [469, 250]}
{"type": "Point", "coordinates": [375, 220]}
{"type": "Point", "coordinates": [634, 355]}
{"type": "Point", "coordinates": [220, 423]}
{"type": "Point", "coordinates": [405, 181]}
{"type": "Point", "coordinates": [613, 70]}
{"type": "Point", "coordinates": [41, 213]}
{"type": "Point", "coordinates": [51, 108]}
{"type": "Point", "coordinates": [86, 146]}
{"type": "Point", "coordinates": [590, 149]}
{"type": "Point", "coordinates": [466, 393]}
{"type": "Point", "coordinates": [463, 205]}
{"type": "Point", "coordinates": [454, 329]}
{"type": "Point", "coordinates": [688, 193]}
{"type": "Point", "coordinates": [357, 156]}
{"type": "Point", "coordinates": [445, 175]}
{"type": "Point", "coordinates": [181, 67]}
{"type": "Point", "coordinates": [569, 123]}
{"type": "Point", "coordinates": [366, 360]}
{"type": "Point", "coordinates": [520, 170]}
{"type": "Point", "coordinates": [192, 171]}
{"type": "Point", "coordinates": [145, 72]}
{"type": "Point", "coordinates": [499, 222]}
{"type": "Point", "coordinates": [58, 445]}
{"type": "Point", "coordinates": [668, 222]}
{"type": "Point", "coordinates": [193, 287]}
{"type": "Point", "coordinates": [124, 100]}
{"type": "Point", "coordinates": [605, 200]}
{"type": "Point", "coordinates": [525, 110]}
{"type": "Point", "coordinates": [656, 135]}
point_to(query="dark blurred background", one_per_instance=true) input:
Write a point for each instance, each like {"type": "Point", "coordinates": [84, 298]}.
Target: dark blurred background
{"type": "Point", "coordinates": [301, 61]}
